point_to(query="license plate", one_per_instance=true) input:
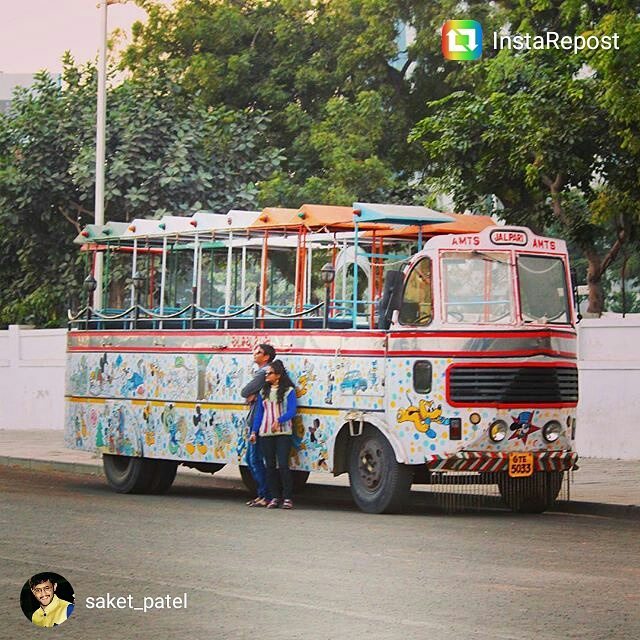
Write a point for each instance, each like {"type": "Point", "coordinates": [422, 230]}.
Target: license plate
{"type": "Point", "coordinates": [520, 465]}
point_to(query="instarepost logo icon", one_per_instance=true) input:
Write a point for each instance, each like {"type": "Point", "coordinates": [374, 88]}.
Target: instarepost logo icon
{"type": "Point", "coordinates": [462, 40]}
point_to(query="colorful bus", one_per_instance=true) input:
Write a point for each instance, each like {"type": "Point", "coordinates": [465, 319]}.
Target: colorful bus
{"type": "Point", "coordinates": [425, 347]}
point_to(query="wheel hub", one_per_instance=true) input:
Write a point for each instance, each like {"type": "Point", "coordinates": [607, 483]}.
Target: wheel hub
{"type": "Point", "coordinates": [370, 467]}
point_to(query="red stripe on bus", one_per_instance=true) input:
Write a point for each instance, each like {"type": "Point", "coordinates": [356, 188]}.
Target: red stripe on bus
{"type": "Point", "coordinates": [230, 332]}
{"type": "Point", "coordinates": [525, 353]}
{"type": "Point", "coordinates": [352, 333]}
{"type": "Point", "coordinates": [512, 334]}
{"type": "Point", "coordinates": [330, 352]}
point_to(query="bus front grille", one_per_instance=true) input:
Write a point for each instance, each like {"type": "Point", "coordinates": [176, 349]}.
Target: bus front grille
{"type": "Point", "coordinates": [512, 385]}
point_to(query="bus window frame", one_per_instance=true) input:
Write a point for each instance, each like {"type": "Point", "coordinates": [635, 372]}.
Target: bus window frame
{"type": "Point", "coordinates": [513, 285]}
{"type": "Point", "coordinates": [567, 288]}
{"type": "Point", "coordinates": [404, 290]}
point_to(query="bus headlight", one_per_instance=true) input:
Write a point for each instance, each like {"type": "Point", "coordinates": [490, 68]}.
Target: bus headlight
{"type": "Point", "coordinates": [551, 431]}
{"type": "Point", "coordinates": [498, 430]}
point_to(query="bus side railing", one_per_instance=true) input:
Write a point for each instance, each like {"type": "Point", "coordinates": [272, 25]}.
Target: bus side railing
{"type": "Point", "coordinates": [192, 316]}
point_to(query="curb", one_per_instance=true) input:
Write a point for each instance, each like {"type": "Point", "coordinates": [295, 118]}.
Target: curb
{"type": "Point", "coordinates": [619, 511]}
{"type": "Point", "coordinates": [81, 468]}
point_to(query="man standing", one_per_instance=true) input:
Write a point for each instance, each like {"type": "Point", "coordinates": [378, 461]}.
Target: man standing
{"type": "Point", "coordinates": [52, 610]}
{"type": "Point", "coordinates": [263, 355]}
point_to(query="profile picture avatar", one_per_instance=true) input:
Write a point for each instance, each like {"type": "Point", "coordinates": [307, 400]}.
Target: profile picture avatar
{"type": "Point", "coordinates": [47, 599]}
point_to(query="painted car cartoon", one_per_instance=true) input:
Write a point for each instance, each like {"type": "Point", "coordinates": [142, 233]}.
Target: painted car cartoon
{"type": "Point", "coordinates": [354, 381]}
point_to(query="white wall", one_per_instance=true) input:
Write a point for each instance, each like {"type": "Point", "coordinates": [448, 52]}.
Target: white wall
{"type": "Point", "coordinates": [32, 378]}
{"type": "Point", "coordinates": [609, 408]}
{"type": "Point", "coordinates": [32, 384]}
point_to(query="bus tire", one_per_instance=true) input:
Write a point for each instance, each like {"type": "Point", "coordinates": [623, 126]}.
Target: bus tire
{"type": "Point", "coordinates": [379, 483]}
{"type": "Point", "coordinates": [534, 494]}
{"type": "Point", "coordinates": [299, 480]}
{"type": "Point", "coordinates": [247, 479]}
{"type": "Point", "coordinates": [163, 474]}
{"type": "Point", "coordinates": [126, 474]}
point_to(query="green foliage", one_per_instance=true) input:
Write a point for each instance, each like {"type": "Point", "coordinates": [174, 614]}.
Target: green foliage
{"type": "Point", "coordinates": [544, 137]}
{"type": "Point", "coordinates": [343, 98]}
{"type": "Point", "coordinates": [245, 103]}
{"type": "Point", "coordinates": [165, 153]}
{"type": "Point", "coordinates": [630, 304]}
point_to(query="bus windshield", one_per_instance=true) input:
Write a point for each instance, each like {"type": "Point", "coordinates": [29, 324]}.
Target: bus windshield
{"type": "Point", "coordinates": [543, 290]}
{"type": "Point", "coordinates": [477, 287]}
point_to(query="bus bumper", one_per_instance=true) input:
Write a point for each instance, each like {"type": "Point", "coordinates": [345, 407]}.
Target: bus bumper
{"type": "Point", "coordinates": [490, 462]}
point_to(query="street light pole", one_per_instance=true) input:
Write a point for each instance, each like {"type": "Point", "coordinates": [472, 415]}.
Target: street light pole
{"type": "Point", "coordinates": [101, 119]}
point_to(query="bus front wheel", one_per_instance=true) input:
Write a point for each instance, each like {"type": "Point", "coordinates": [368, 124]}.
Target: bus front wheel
{"type": "Point", "coordinates": [379, 483]}
{"type": "Point", "coordinates": [534, 494]}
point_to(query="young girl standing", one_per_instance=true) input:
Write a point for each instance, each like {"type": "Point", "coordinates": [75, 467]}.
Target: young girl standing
{"type": "Point", "coordinates": [272, 421]}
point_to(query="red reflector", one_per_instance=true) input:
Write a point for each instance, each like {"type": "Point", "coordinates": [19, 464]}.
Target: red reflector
{"type": "Point", "coordinates": [455, 428]}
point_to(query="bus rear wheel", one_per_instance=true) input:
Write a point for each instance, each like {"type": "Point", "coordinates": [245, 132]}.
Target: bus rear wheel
{"type": "Point", "coordinates": [299, 479]}
{"type": "Point", "coordinates": [247, 479]}
{"type": "Point", "coordinates": [534, 494]}
{"type": "Point", "coordinates": [126, 474]}
{"type": "Point", "coordinates": [163, 474]}
{"type": "Point", "coordinates": [379, 483]}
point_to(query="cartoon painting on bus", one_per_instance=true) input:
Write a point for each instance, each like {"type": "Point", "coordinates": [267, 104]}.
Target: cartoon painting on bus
{"type": "Point", "coordinates": [439, 344]}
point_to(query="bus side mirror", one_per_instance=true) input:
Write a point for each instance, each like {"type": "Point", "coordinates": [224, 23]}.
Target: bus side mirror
{"type": "Point", "coordinates": [574, 288]}
{"type": "Point", "coordinates": [574, 281]}
{"type": "Point", "coordinates": [391, 298]}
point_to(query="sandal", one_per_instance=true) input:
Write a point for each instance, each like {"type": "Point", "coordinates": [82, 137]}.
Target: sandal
{"type": "Point", "coordinates": [287, 504]}
{"type": "Point", "coordinates": [274, 503]}
{"type": "Point", "coordinates": [250, 503]}
{"type": "Point", "coordinates": [259, 502]}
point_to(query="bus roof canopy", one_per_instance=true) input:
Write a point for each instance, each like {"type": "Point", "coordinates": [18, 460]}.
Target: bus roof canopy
{"type": "Point", "coordinates": [398, 214]}
{"type": "Point", "coordinates": [385, 219]}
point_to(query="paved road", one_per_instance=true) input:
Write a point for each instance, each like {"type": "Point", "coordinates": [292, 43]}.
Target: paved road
{"type": "Point", "coordinates": [317, 572]}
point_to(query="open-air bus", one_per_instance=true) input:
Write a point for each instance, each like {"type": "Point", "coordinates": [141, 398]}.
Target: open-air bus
{"type": "Point", "coordinates": [428, 348]}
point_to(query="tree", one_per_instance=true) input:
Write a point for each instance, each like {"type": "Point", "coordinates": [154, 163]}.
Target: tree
{"type": "Point", "coordinates": [164, 154]}
{"type": "Point", "coordinates": [343, 93]}
{"type": "Point", "coordinates": [538, 135]}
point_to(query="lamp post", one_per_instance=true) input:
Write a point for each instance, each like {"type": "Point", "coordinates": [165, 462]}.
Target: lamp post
{"type": "Point", "coordinates": [101, 113]}
{"type": "Point", "coordinates": [101, 120]}
{"type": "Point", "coordinates": [89, 285]}
{"type": "Point", "coordinates": [327, 273]}
{"type": "Point", "coordinates": [138, 283]}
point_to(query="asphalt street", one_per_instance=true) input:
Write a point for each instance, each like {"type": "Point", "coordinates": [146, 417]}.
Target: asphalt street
{"type": "Point", "coordinates": [321, 571]}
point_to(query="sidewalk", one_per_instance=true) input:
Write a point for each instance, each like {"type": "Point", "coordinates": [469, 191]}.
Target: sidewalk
{"type": "Point", "coordinates": [600, 487]}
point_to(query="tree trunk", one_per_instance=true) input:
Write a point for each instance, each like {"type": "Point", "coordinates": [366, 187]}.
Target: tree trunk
{"type": "Point", "coordinates": [597, 268]}
{"type": "Point", "coordinates": [623, 277]}
{"type": "Point", "coordinates": [594, 281]}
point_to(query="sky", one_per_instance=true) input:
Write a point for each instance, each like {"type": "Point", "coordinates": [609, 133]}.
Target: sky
{"type": "Point", "coordinates": [35, 33]}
